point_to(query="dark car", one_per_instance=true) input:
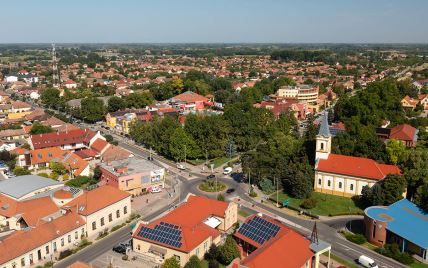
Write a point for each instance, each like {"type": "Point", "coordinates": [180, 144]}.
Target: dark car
{"type": "Point", "coordinates": [210, 177]}
{"type": "Point", "coordinates": [230, 190]}
{"type": "Point", "coordinates": [120, 248]}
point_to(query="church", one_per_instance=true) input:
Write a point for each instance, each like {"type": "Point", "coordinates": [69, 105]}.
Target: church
{"type": "Point", "coordinates": [344, 175]}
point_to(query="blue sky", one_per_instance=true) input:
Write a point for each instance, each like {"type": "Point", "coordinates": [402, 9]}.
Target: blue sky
{"type": "Point", "coordinates": [259, 21]}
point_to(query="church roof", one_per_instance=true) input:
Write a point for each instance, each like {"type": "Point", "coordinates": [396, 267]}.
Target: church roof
{"type": "Point", "coordinates": [324, 128]}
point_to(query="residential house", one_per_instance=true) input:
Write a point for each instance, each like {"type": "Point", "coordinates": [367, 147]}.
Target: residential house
{"type": "Point", "coordinates": [423, 101]}
{"type": "Point", "coordinates": [405, 133]}
{"type": "Point", "coordinates": [73, 140]}
{"type": "Point", "coordinates": [191, 229]}
{"type": "Point", "coordinates": [189, 102]}
{"type": "Point", "coordinates": [409, 103]}
{"type": "Point", "coordinates": [303, 93]}
{"type": "Point", "coordinates": [70, 84]}
{"type": "Point", "coordinates": [13, 134]}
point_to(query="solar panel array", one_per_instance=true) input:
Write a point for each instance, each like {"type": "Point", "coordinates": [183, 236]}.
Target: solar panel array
{"type": "Point", "coordinates": [259, 229]}
{"type": "Point", "coordinates": [163, 232]}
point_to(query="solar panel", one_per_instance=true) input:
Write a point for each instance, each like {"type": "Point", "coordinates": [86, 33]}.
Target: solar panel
{"type": "Point", "coordinates": [259, 229]}
{"type": "Point", "coordinates": [163, 232]}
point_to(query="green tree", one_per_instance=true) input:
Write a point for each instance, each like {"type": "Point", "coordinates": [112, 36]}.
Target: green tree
{"type": "Point", "coordinates": [193, 262]}
{"type": "Point", "coordinates": [115, 103]}
{"type": "Point", "coordinates": [97, 173]}
{"type": "Point", "coordinates": [38, 128]}
{"type": "Point", "coordinates": [298, 178]}
{"type": "Point", "coordinates": [421, 197]}
{"type": "Point", "coordinates": [50, 97]}
{"type": "Point", "coordinates": [181, 145]}
{"type": "Point", "coordinates": [267, 186]}
{"type": "Point", "coordinates": [92, 109]}
{"type": "Point", "coordinates": [415, 167]}
{"type": "Point", "coordinates": [396, 151]}
{"type": "Point", "coordinates": [20, 171]}
{"type": "Point", "coordinates": [138, 100]}
{"type": "Point", "coordinates": [171, 263]}
{"type": "Point", "coordinates": [58, 168]}
{"type": "Point", "coordinates": [229, 251]}
{"type": "Point", "coordinates": [393, 187]}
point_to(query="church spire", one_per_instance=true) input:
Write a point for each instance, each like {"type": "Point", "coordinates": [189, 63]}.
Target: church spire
{"type": "Point", "coordinates": [324, 128]}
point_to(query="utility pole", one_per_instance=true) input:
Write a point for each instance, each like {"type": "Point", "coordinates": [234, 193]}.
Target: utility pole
{"type": "Point", "coordinates": [185, 153]}
{"type": "Point", "coordinates": [276, 192]}
{"type": "Point", "coordinates": [249, 180]}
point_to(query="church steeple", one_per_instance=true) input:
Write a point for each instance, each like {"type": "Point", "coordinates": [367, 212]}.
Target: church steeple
{"type": "Point", "coordinates": [323, 144]}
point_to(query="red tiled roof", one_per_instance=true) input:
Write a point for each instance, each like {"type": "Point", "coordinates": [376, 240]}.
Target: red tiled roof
{"type": "Point", "coordinates": [403, 132]}
{"type": "Point", "coordinates": [21, 242]}
{"type": "Point", "coordinates": [356, 166]}
{"type": "Point", "coordinates": [62, 138]}
{"type": "Point", "coordinates": [86, 153]}
{"type": "Point", "coordinates": [190, 97]}
{"type": "Point", "coordinates": [97, 199]}
{"type": "Point", "coordinates": [98, 145]}
{"type": "Point", "coordinates": [189, 217]}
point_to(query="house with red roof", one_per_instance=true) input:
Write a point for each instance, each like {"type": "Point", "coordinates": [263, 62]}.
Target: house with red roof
{"type": "Point", "coordinates": [70, 84]}
{"type": "Point", "coordinates": [189, 102]}
{"type": "Point", "coordinates": [188, 230]}
{"type": "Point", "coordinates": [75, 139]}
{"type": "Point", "coordinates": [341, 174]}
{"type": "Point", "coordinates": [405, 133]}
{"type": "Point", "coordinates": [266, 242]}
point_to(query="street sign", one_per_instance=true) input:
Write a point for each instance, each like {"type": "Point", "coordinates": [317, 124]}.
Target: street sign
{"type": "Point", "coordinates": [286, 202]}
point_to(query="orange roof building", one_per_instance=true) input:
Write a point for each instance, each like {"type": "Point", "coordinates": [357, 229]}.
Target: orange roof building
{"type": "Point", "coordinates": [188, 230]}
{"type": "Point", "coordinates": [341, 174]}
{"type": "Point", "coordinates": [266, 242]}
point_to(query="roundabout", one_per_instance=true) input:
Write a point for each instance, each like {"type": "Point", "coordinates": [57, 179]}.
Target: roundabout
{"type": "Point", "coordinates": [212, 186]}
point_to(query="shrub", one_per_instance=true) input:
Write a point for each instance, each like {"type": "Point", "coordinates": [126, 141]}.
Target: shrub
{"type": "Point", "coordinates": [43, 174]}
{"type": "Point", "coordinates": [117, 227]}
{"type": "Point", "coordinates": [193, 262]}
{"type": "Point", "coordinates": [220, 197]}
{"type": "Point", "coordinates": [356, 238]}
{"type": "Point", "coordinates": [229, 251]}
{"type": "Point", "coordinates": [65, 254]}
{"type": "Point", "coordinates": [213, 264]}
{"type": "Point", "coordinates": [125, 257]}
{"type": "Point", "coordinates": [309, 203]}
{"type": "Point", "coordinates": [212, 253]}
{"type": "Point", "coordinates": [393, 251]}
{"type": "Point", "coordinates": [65, 177]}
{"type": "Point", "coordinates": [267, 186]}
{"type": "Point", "coordinates": [253, 194]}
{"type": "Point", "coordinates": [54, 175]}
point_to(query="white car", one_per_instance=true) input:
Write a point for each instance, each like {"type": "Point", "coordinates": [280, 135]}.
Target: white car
{"type": "Point", "coordinates": [227, 170]}
{"type": "Point", "coordinates": [155, 190]}
{"type": "Point", "coordinates": [181, 166]}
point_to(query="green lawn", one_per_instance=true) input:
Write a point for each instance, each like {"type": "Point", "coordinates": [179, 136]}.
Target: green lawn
{"type": "Point", "coordinates": [196, 162]}
{"type": "Point", "coordinates": [243, 213]}
{"type": "Point", "coordinates": [220, 161]}
{"type": "Point", "coordinates": [342, 261]}
{"type": "Point", "coordinates": [212, 186]}
{"type": "Point", "coordinates": [418, 264]}
{"type": "Point", "coordinates": [326, 204]}
{"type": "Point", "coordinates": [205, 264]}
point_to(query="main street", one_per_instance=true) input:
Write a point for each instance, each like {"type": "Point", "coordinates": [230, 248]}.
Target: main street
{"type": "Point", "coordinates": [189, 181]}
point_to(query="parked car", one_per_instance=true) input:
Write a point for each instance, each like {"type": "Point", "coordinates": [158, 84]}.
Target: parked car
{"type": "Point", "coordinates": [155, 189]}
{"type": "Point", "coordinates": [227, 170]}
{"type": "Point", "coordinates": [367, 262]}
{"type": "Point", "coordinates": [181, 166]}
{"type": "Point", "coordinates": [210, 177]}
{"type": "Point", "coordinates": [120, 248]}
{"type": "Point", "coordinates": [230, 190]}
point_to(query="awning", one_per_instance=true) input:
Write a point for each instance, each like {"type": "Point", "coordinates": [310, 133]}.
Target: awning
{"type": "Point", "coordinates": [212, 222]}
{"type": "Point", "coordinates": [158, 250]}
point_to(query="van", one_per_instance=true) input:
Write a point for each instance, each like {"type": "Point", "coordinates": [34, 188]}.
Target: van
{"type": "Point", "coordinates": [367, 262]}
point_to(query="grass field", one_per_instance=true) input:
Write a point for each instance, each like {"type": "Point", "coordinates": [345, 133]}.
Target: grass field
{"type": "Point", "coordinates": [326, 204]}
{"type": "Point", "coordinates": [212, 186]}
{"type": "Point", "coordinates": [205, 264]}
{"type": "Point", "coordinates": [343, 261]}
{"type": "Point", "coordinates": [418, 264]}
{"type": "Point", "coordinates": [243, 213]}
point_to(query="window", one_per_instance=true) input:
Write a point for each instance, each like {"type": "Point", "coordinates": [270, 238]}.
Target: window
{"type": "Point", "coordinates": [83, 231]}
{"type": "Point", "coordinates": [351, 187]}
{"type": "Point", "coordinates": [31, 258]}
{"type": "Point", "coordinates": [14, 265]}
{"type": "Point", "coordinates": [62, 242]}
{"type": "Point", "coordinates": [102, 221]}
{"type": "Point", "coordinates": [138, 247]}
{"type": "Point", "coordinates": [340, 185]}
{"type": "Point", "coordinates": [328, 183]}
{"type": "Point", "coordinates": [94, 225]}
{"type": "Point", "coordinates": [125, 209]}
{"type": "Point", "coordinates": [50, 154]}
{"type": "Point", "coordinates": [177, 257]}
{"type": "Point", "coordinates": [47, 249]}
{"type": "Point", "coordinates": [117, 213]}
{"type": "Point", "coordinates": [54, 246]}
{"type": "Point", "coordinates": [76, 235]}
{"type": "Point", "coordinates": [322, 145]}
{"type": "Point", "coordinates": [110, 217]}
{"type": "Point", "coordinates": [319, 181]}
{"type": "Point", "coordinates": [205, 246]}
{"type": "Point", "coordinates": [22, 262]}
{"type": "Point", "coordinates": [197, 252]}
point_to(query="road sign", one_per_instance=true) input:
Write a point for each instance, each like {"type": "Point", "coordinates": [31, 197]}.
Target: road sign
{"type": "Point", "coordinates": [286, 202]}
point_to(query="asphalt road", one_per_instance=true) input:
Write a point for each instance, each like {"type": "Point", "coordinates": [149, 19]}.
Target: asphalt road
{"type": "Point", "coordinates": [327, 231]}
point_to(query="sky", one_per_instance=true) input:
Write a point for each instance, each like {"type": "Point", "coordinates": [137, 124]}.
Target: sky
{"type": "Point", "coordinates": [214, 21]}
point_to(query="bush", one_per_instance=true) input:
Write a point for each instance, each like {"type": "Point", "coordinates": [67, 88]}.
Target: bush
{"type": "Point", "coordinates": [267, 186]}
{"type": "Point", "coordinates": [125, 257]}
{"type": "Point", "coordinates": [193, 262]}
{"type": "Point", "coordinates": [253, 194]}
{"type": "Point", "coordinates": [43, 174]}
{"type": "Point", "coordinates": [117, 227]}
{"type": "Point", "coordinates": [393, 251]}
{"type": "Point", "coordinates": [229, 251]}
{"type": "Point", "coordinates": [65, 177]}
{"type": "Point", "coordinates": [212, 253]}
{"type": "Point", "coordinates": [220, 197]}
{"type": "Point", "coordinates": [213, 264]}
{"type": "Point", "coordinates": [356, 238]}
{"type": "Point", "coordinates": [54, 175]}
{"type": "Point", "coordinates": [309, 203]}
{"type": "Point", "coordinates": [65, 254]}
